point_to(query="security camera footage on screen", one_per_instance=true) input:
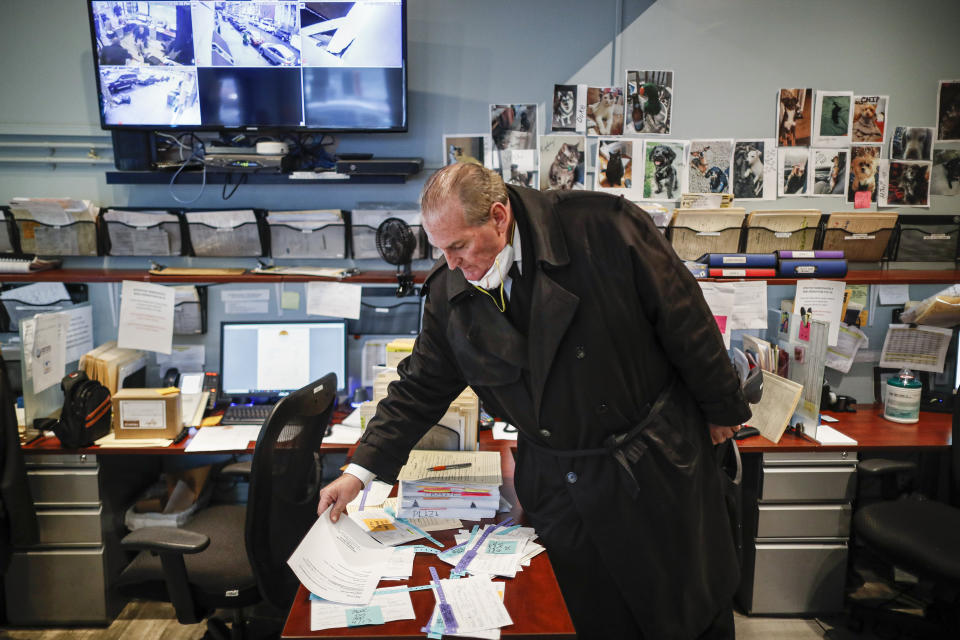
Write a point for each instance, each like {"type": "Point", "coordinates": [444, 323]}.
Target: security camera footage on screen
{"type": "Point", "coordinates": [193, 64]}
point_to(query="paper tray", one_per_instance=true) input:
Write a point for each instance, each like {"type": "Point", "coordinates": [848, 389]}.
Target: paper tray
{"type": "Point", "coordinates": [927, 239]}
{"type": "Point", "coordinates": [328, 241]}
{"type": "Point", "coordinates": [216, 239]}
{"type": "Point", "coordinates": [141, 236]}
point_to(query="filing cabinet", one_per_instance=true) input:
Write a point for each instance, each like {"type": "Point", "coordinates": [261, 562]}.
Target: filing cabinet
{"type": "Point", "coordinates": [797, 510]}
{"type": "Point", "coordinates": [66, 577]}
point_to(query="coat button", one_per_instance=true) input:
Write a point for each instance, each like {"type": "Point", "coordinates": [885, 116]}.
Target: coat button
{"type": "Point", "coordinates": [571, 477]}
{"type": "Point", "coordinates": [545, 433]}
{"type": "Point", "coordinates": [602, 408]}
{"type": "Point", "coordinates": [581, 352]}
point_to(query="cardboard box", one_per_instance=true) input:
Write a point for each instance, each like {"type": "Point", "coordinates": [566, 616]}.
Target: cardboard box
{"type": "Point", "coordinates": [146, 413]}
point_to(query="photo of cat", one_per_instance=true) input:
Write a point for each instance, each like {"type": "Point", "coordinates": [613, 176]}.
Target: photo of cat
{"type": "Point", "coordinates": [466, 148]}
{"type": "Point", "coordinates": [604, 111]}
{"type": "Point", "coordinates": [562, 162]}
{"type": "Point", "coordinates": [614, 166]}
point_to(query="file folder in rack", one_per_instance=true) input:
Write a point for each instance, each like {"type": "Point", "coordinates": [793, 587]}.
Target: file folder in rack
{"type": "Point", "coordinates": [695, 232]}
{"type": "Point", "coordinates": [144, 232]}
{"type": "Point", "coordinates": [307, 234]}
{"type": "Point", "coordinates": [769, 231]}
{"type": "Point", "coordinates": [56, 226]}
{"type": "Point", "coordinates": [226, 233]}
{"type": "Point", "coordinates": [862, 236]}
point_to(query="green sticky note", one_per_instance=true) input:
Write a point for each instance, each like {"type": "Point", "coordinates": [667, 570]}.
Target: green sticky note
{"type": "Point", "coordinates": [290, 300]}
{"type": "Point", "coordinates": [364, 615]}
{"type": "Point", "coordinates": [502, 546]}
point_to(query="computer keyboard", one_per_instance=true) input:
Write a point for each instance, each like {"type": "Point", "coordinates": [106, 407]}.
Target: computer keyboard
{"type": "Point", "coordinates": [246, 414]}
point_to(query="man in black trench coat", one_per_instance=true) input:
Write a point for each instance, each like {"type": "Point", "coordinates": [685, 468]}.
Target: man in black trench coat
{"type": "Point", "coordinates": [572, 318]}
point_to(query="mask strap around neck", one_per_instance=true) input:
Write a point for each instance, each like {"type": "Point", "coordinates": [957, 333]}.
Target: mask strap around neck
{"type": "Point", "coordinates": [502, 307]}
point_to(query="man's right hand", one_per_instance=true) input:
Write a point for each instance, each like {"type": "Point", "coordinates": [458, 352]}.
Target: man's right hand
{"type": "Point", "coordinates": [338, 493]}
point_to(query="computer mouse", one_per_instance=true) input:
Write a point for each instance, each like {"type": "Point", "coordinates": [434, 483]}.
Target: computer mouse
{"type": "Point", "coordinates": [746, 432]}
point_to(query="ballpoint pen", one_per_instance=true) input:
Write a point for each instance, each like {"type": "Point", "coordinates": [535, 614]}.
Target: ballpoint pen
{"type": "Point", "coordinates": [444, 467]}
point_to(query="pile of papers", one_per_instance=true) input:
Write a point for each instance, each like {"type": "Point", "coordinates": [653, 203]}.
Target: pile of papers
{"type": "Point", "coordinates": [492, 551]}
{"type": "Point", "coordinates": [450, 484]}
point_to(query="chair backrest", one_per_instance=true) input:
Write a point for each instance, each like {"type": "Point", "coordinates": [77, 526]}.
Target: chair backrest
{"type": "Point", "coordinates": [285, 484]}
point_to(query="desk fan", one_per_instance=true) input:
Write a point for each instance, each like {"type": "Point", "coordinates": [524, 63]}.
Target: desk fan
{"type": "Point", "coordinates": [395, 243]}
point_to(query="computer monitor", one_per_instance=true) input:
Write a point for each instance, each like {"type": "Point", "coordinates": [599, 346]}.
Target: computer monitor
{"type": "Point", "coordinates": [262, 361]}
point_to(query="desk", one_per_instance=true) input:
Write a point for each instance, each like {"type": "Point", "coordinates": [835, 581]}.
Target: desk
{"type": "Point", "coordinates": [798, 499]}
{"type": "Point", "coordinates": [533, 597]}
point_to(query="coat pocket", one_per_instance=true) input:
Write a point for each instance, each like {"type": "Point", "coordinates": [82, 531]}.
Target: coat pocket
{"type": "Point", "coordinates": [668, 435]}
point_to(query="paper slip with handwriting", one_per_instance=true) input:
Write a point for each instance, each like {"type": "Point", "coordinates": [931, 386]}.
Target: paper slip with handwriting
{"type": "Point", "coordinates": [385, 606]}
{"type": "Point", "coordinates": [477, 605]}
{"type": "Point", "coordinates": [339, 562]}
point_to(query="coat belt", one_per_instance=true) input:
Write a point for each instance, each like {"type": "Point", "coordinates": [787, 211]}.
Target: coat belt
{"type": "Point", "coordinates": [626, 448]}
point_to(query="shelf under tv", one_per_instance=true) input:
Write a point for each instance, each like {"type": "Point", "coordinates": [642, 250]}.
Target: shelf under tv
{"type": "Point", "coordinates": [195, 177]}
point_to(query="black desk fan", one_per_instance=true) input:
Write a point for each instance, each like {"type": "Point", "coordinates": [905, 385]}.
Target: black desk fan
{"type": "Point", "coordinates": [395, 243]}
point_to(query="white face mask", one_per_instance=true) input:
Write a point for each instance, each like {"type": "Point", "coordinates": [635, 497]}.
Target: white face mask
{"type": "Point", "coordinates": [494, 276]}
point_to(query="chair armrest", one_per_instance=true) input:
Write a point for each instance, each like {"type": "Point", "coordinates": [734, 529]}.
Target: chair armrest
{"type": "Point", "coordinates": [237, 469]}
{"type": "Point", "coordinates": [877, 467]}
{"type": "Point", "coordinates": [165, 540]}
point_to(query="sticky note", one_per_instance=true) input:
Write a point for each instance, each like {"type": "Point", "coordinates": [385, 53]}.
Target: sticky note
{"type": "Point", "coordinates": [364, 615]}
{"type": "Point", "coordinates": [290, 300]}
{"type": "Point", "coordinates": [502, 546]}
{"type": "Point", "coordinates": [379, 524]}
{"type": "Point", "coordinates": [861, 200]}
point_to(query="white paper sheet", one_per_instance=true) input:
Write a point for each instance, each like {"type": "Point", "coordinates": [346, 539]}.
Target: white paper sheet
{"type": "Point", "coordinates": [385, 607]}
{"type": "Point", "coordinates": [79, 337]}
{"type": "Point", "coordinates": [749, 305]}
{"type": "Point", "coordinates": [223, 438]}
{"type": "Point", "coordinates": [476, 604]}
{"type": "Point", "coordinates": [920, 348]}
{"type": "Point", "coordinates": [829, 435]}
{"type": "Point", "coordinates": [335, 299]}
{"type": "Point", "coordinates": [720, 299]}
{"type": "Point", "coordinates": [339, 562]}
{"type": "Point", "coordinates": [849, 341]}
{"type": "Point", "coordinates": [372, 497]}
{"type": "Point", "coordinates": [146, 317]}
{"type": "Point", "coordinates": [893, 293]}
{"type": "Point", "coordinates": [49, 350]}
{"type": "Point", "coordinates": [384, 528]}
{"type": "Point", "coordinates": [500, 431]}
{"type": "Point", "coordinates": [436, 622]}
{"type": "Point", "coordinates": [825, 299]}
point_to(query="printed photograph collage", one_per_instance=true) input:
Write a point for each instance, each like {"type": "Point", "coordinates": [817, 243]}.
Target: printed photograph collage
{"type": "Point", "coordinates": [825, 144]}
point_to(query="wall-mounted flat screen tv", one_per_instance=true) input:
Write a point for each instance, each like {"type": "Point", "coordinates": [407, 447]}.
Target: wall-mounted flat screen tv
{"type": "Point", "coordinates": [250, 65]}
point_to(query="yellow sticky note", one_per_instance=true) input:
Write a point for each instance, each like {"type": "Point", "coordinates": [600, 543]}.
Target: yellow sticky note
{"type": "Point", "coordinates": [211, 421]}
{"type": "Point", "coordinates": [166, 391]}
{"type": "Point", "coordinates": [290, 300]}
{"type": "Point", "coordinates": [379, 524]}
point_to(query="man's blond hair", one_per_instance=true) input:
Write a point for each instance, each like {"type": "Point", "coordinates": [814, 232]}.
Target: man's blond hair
{"type": "Point", "coordinates": [474, 186]}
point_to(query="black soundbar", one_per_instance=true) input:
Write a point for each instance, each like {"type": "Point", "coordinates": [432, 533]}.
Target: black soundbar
{"type": "Point", "coordinates": [381, 166]}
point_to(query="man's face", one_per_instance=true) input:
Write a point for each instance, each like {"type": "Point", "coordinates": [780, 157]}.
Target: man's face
{"type": "Point", "coordinates": [468, 248]}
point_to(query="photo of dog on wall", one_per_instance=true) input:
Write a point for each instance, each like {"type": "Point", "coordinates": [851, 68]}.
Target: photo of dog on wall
{"type": "Point", "coordinates": [794, 117]}
{"type": "Point", "coordinates": [662, 174]}
{"type": "Point", "coordinates": [832, 117]}
{"type": "Point", "coordinates": [948, 110]}
{"type": "Point", "coordinates": [562, 162]}
{"type": "Point", "coordinates": [564, 107]}
{"type": "Point", "coordinates": [649, 102]}
{"type": "Point", "coordinates": [709, 166]}
{"type": "Point", "coordinates": [614, 166]}
{"type": "Point", "coordinates": [945, 173]}
{"type": "Point", "coordinates": [604, 111]}
{"type": "Point", "coordinates": [829, 171]}
{"type": "Point", "coordinates": [862, 176]}
{"type": "Point", "coordinates": [909, 184]}
{"type": "Point", "coordinates": [869, 118]}
{"type": "Point", "coordinates": [792, 165]}
{"type": "Point", "coordinates": [748, 168]}
{"type": "Point", "coordinates": [912, 143]}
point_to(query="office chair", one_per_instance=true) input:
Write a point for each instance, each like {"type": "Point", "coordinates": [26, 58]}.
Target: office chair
{"type": "Point", "coordinates": [203, 565]}
{"type": "Point", "coordinates": [923, 538]}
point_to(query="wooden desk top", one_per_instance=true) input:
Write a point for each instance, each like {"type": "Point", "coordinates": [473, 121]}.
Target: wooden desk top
{"type": "Point", "coordinates": [871, 431]}
{"type": "Point", "coordinates": [533, 597]}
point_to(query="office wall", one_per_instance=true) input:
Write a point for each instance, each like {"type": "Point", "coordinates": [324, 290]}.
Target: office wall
{"type": "Point", "coordinates": [729, 57]}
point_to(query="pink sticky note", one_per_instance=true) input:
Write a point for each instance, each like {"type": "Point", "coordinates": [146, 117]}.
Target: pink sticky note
{"type": "Point", "coordinates": [804, 332]}
{"type": "Point", "coordinates": [861, 200]}
{"type": "Point", "coordinates": [721, 322]}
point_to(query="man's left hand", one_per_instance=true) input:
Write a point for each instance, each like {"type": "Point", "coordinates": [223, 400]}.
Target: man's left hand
{"type": "Point", "coordinates": [721, 434]}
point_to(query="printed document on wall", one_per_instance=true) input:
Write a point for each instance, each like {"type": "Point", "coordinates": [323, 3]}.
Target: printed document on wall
{"type": "Point", "coordinates": [146, 317]}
